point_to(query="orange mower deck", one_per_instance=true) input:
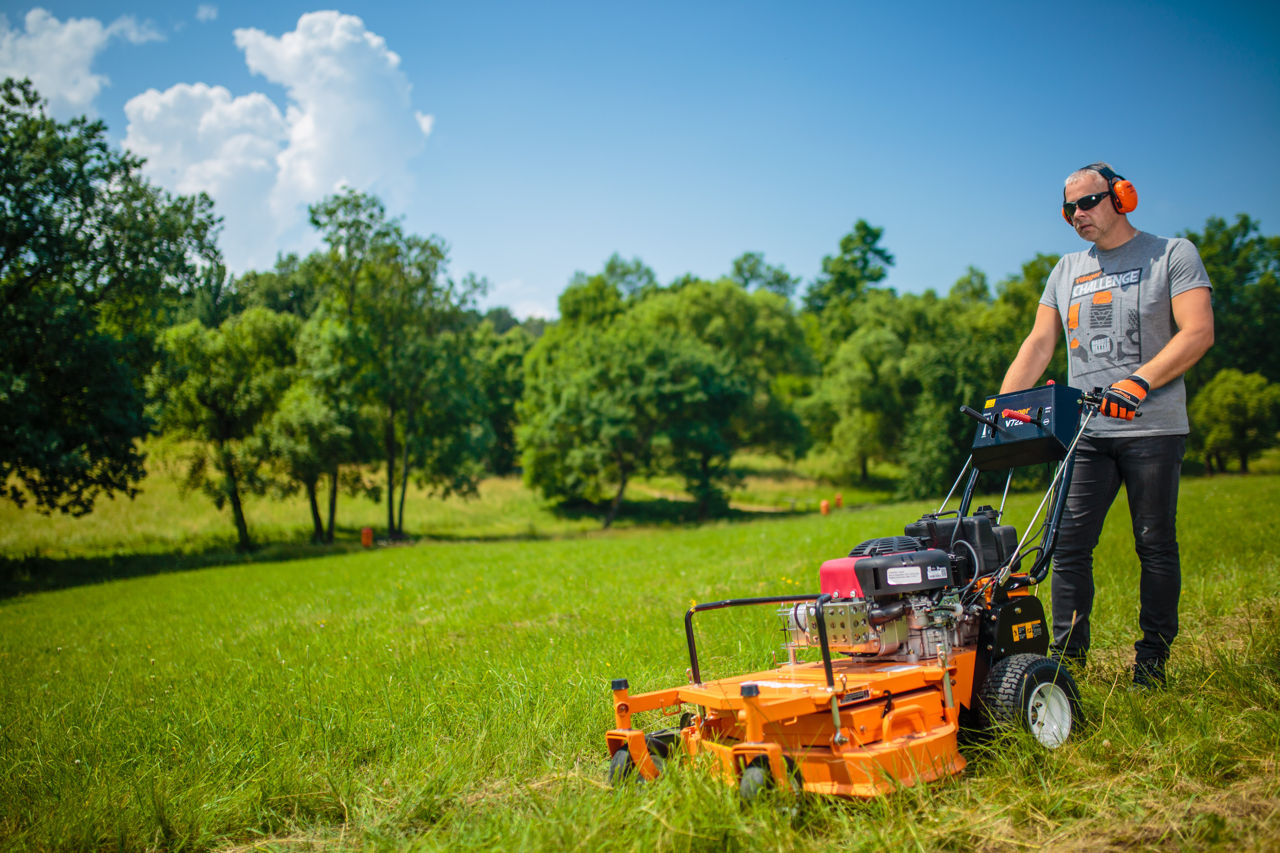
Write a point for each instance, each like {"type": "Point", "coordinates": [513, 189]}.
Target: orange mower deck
{"type": "Point", "coordinates": [897, 724]}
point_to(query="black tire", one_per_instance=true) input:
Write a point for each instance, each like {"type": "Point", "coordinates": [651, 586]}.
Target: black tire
{"type": "Point", "coordinates": [756, 779]}
{"type": "Point", "coordinates": [1033, 693]}
{"type": "Point", "coordinates": [622, 769]}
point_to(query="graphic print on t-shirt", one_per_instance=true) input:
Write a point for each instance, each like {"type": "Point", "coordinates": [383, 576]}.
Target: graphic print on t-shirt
{"type": "Point", "coordinates": [1103, 325]}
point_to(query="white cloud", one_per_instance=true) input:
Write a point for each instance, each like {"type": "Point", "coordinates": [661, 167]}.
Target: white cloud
{"type": "Point", "coordinates": [206, 12]}
{"type": "Point", "coordinates": [58, 55]}
{"type": "Point", "coordinates": [426, 122]}
{"type": "Point", "coordinates": [348, 121]}
{"type": "Point", "coordinates": [198, 138]}
{"type": "Point", "coordinates": [128, 28]}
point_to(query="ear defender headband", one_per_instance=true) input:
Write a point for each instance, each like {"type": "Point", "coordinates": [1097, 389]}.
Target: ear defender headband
{"type": "Point", "coordinates": [1123, 194]}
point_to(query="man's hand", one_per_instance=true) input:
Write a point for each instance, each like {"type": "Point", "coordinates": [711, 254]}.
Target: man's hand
{"type": "Point", "coordinates": [1122, 399]}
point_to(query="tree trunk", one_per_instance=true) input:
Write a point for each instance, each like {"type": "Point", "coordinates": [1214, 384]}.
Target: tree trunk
{"type": "Point", "coordinates": [704, 487]}
{"type": "Point", "coordinates": [333, 502]}
{"type": "Point", "coordinates": [1244, 462]}
{"type": "Point", "coordinates": [864, 469]}
{"type": "Point", "coordinates": [317, 525]}
{"type": "Point", "coordinates": [617, 502]}
{"type": "Point", "coordinates": [389, 447]}
{"type": "Point", "coordinates": [404, 484]}
{"type": "Point", "coordinates": [232, 488]}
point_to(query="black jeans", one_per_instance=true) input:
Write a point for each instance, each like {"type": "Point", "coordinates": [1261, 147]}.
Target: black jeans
{"type": "Point", "coordinates": [1149, 467]}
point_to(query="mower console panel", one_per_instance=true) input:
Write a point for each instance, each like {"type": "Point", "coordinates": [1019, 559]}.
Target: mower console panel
{"type": "Point", "coordinates": [1052, 414]}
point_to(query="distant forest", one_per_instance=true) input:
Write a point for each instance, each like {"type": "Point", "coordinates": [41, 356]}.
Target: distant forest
{"type": "Point", "coordinates": [365, 364]}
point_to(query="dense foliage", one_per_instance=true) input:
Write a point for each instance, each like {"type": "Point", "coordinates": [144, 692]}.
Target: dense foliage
{"type": "Point", "coordinates": [364, 365]}
{"type": "Point", "coordinates": [92, 260]}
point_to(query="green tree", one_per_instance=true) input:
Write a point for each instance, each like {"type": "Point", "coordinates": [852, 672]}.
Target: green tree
{"type": "Point", "coordinates": [1235, 414]}
{"type": "Point", "coordinates": [218, 387]}
{"type": "Point", "coordinates": [93, 260]}
{"type": "Point", "coordinates": [969, 344]}
{"type": "Point", "coordinates": [403, 319]}
{"type": "Point", "coordinates": [589, 301]}
{"type": "Point", "coordinates": [294, 286]}
{"type": "Point", "coordinates": [501, 358]}
{"type": "Point", "coordinates": [760, 337]}
{"type": "Point", "coordinates": [1021, 294]}
{"type": "Point", "coordinates": [632, 279]}
{"type": "Point", "coordinates": [304, 437]}
{"type": "Point", "coordinates": [608, 404]}
{"type": "Point", "coordinates": [752, 273]}
{"type": "Point", "coordinates": [327, 366]}
{"type": "Point", "coordinates": [866, 387]}
{"type": "Point", "coordinates": [448, 437]}
{"type": "Point", "coordinates": [862, 262]}
{"type": "Point", "coordinates": [1244, 268]}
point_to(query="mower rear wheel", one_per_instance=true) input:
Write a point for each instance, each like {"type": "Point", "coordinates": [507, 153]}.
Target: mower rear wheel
{"type": "Point", "coordinates": [1031, 692]}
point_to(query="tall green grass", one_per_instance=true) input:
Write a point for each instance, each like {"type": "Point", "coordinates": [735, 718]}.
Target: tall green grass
{"type": "Point", "coordinates": [454, 695]}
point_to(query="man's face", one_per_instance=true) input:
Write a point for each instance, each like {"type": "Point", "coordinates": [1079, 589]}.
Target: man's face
{"type": "Point", "coordinates": [1094, 224]}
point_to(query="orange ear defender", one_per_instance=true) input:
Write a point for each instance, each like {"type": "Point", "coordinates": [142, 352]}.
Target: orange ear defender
{"type": "Point", "coordinates": [1123, 194]}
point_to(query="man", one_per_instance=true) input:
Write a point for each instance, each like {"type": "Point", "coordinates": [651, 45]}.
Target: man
{"type": "Point", "coordinates": [1136, 312]}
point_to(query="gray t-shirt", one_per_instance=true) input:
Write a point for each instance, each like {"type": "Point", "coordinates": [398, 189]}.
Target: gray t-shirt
{"type": "Point", "coordinates": [1117, 314]}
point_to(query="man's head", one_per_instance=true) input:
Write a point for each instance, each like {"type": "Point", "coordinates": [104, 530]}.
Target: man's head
{"type": "Point", "coordinates": [1091, 205]}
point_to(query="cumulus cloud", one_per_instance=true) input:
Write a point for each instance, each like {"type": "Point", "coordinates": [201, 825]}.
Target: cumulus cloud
{"type": "Point", "coordinates": [58, 55]}
{"type": "Point", "coordinates": [199, 138]}
{"type": "Point", "coordinates": [206, 12]}
{"type": "Point", "coordinates": [348, 122]}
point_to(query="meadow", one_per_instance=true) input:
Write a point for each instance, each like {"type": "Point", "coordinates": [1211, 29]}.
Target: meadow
{"type": "Point", "coordinates": [453, 693]}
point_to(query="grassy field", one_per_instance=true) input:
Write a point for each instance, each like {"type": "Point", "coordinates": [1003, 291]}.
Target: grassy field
{"type": "Point", "coordinates": [454, 694]}
{"type": "Point", "coordinates": [163, 530]}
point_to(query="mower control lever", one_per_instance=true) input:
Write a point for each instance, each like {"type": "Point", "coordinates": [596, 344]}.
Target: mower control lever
{"type": "Point", "coordinates": [979, 417]}
{"type": "Point", "coordinates": [1016, 416]}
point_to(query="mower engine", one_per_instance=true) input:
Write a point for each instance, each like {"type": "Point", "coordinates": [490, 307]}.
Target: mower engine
{"type": "Point", "coordinates": [891, 598]}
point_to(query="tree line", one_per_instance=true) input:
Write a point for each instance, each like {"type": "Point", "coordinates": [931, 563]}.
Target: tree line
{"type": "Point", "coordinates": [365, 365]}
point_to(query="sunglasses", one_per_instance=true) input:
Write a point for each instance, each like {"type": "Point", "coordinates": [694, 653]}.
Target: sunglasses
{"type": "Point", "coordinates": [1088, 202]}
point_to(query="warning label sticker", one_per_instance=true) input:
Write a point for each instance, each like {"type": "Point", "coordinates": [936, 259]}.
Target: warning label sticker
{"type": "Point", "coordinates": [899, 575]}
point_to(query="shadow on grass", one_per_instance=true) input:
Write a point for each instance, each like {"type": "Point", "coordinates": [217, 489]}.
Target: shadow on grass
{"type": "Point", "coordinates": [33, 574]}
{"type": "Point", "coordinates": [23, 575]}
{"type": "Point", "coordinates": [660, 512]}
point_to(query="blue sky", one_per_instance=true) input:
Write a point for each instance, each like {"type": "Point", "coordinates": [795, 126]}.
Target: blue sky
{"type": "Point", "coordinates": [539, 138]}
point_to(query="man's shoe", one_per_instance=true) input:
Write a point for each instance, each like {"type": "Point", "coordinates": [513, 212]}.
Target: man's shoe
{"type": "Point", "coordinates": [1149, 674]}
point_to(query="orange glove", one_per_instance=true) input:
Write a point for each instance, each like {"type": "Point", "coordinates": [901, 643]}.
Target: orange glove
{"type": "Point", "coordinates": [1122, 399]}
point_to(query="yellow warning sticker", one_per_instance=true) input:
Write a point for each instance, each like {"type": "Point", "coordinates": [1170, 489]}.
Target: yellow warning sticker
{"type": "Point", "coordinates": [990, 404]}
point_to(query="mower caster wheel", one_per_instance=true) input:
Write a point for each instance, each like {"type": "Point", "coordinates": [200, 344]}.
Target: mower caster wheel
{"type": "Point", "coordinates": [622, 769]}
{"type": "Point", "coordinates": [1030, 692]}
{"type": "Point", "coordinates": [755, 780]}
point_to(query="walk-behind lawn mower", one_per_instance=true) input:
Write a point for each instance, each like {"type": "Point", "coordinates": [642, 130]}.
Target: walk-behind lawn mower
{"type": "Point", "coordinates": [918, 635]}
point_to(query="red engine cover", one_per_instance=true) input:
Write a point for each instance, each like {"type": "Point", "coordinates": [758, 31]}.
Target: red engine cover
{"type": "Point", "coordinates": [838, 578]}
